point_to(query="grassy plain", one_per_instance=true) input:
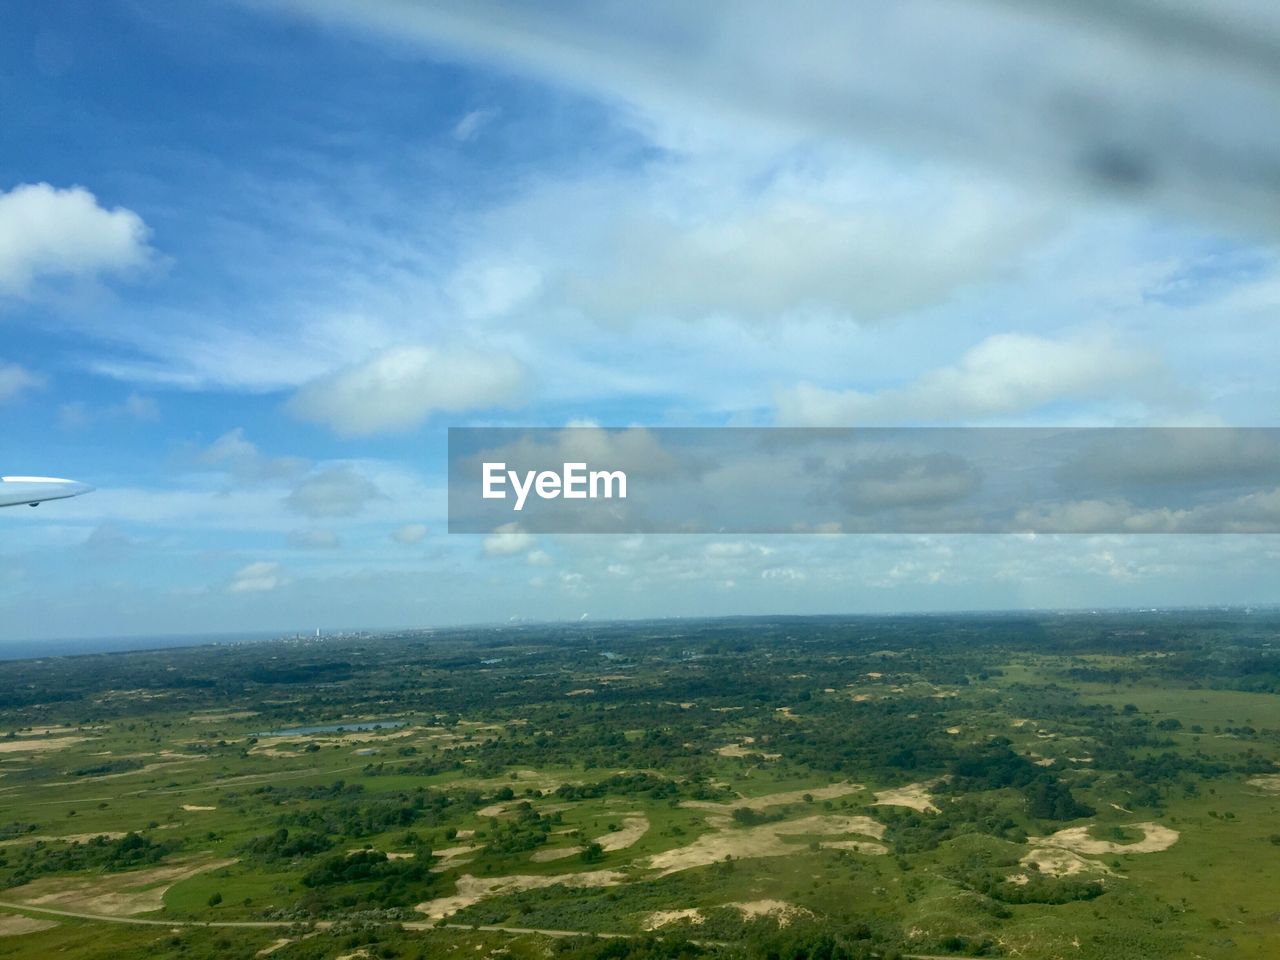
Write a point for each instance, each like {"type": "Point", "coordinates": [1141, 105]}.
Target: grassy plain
{"type": "Point", "coordinates": [1092, 786]}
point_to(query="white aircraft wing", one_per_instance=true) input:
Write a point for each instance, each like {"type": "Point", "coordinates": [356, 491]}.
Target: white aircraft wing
{"type": "Point", "coordinates": [15, 491]}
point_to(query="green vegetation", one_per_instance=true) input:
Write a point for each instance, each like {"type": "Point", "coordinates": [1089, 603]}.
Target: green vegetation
{"type": "Point", "coordinates": [1103, 787]}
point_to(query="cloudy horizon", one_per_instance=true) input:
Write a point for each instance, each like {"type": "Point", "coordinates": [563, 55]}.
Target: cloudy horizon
{"type": "Point", "coordinates": [254, 263]}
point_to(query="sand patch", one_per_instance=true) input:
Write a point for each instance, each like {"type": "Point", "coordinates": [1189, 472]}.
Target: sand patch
{"type": "Point", "coordinates": [765, 840]}
{"type": "Point", "coordinates": [15, 926]}
{"type": "Point", "coordinates": [450, 857]}
{"type": "Point", "coordinates": [196, 808]}
{"type": "Point", "coordinates": [743, 749]}
{"type": "Point", "coordinates": [775, 799]}
{"type": "Point", "coordinates": [1058, 862]}
{"type": "Point", "coordinates": [471, 889]}
{"type": "Point", "coordinates": [1155, 838]}
{"type": "Point", "coordinates": [634, 826]}
{"type": "Point", "coordinates": [780, 910]}
{"type": "Point", "coordinates": [660, 918]}
{"type": "Point", "coordinates": [40, 746]}
{"type": "Point", "coordinates": [913, 795]}
{"type": "Point", "coordinates": [1268, 783]}
{"type": "Point", "coordinates": [113, 894]}
{"type": "Point", "coordinates": [65, 838]}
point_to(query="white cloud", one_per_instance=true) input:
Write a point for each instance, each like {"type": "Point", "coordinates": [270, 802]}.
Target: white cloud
{"type": "Point", "coordinates": [258, 577]}
{"type": "Point", "coordinates": [16, 380]}
{"type": "Point", "coordinates": [410, 533]}
{"type": "Point", "coordinates": [401, 387]}
{"type": "Point", "coordinates": [472, 123]}
{"type": "Point", "coordinates": [508, 540]}
{"type": "Point", "coordinates": [51, 232]}
{"type": "Point", "coordinates": [242, 459]}
{"type": "Point", "coordinates": [1007, 373]}
{"type": "Point", "coordinates": [336, 492]}
{"type": "Point", "coordinates": [988, 82]}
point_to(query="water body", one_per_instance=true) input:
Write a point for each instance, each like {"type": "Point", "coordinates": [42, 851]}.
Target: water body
{"type": "Point", "coordinates": [334, 728]}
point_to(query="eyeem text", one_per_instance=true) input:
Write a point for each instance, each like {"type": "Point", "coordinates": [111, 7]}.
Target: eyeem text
{"type": "Point", "coordinates": [574, 482]}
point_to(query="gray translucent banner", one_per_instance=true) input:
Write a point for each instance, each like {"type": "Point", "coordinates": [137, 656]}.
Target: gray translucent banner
{"type": "Point", "coordinates": [872, 480]}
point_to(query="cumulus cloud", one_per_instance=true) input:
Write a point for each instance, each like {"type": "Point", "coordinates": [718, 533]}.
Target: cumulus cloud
{"type": "Point", "coordinates": [241, 458]}
{"type": "Point", "coordinates": [336, 492]}
{"type": "Point", "coordinates": [508, 540]}
{"type": "Point", "coordinates": [402, 386]}
{"type": "Point", "coordinates": [258, 577]}
{"type": "Point", "coordinates": [16, 380]}
{"type": "Point", "coordinates": [1007, 373]}
{"type": "Point", "coordinates": [410, 534]}
{"type": "Point", "coordinates": [51, 232]}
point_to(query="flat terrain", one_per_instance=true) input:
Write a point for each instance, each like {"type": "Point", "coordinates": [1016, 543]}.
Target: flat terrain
{"type": "Point", "coordinates": [1091, 786]}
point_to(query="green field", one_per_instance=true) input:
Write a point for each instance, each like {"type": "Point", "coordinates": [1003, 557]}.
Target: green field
{"type": "Point", "coordinates": [1100, 786]}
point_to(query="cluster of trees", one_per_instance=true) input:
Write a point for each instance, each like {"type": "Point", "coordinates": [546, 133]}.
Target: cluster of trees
{"type": "Point", "coordinates": [283, 845]}
{"type": "Point", "coordinates": [23, 864]}
{"type": "Point", "coordinates": [368, 878]}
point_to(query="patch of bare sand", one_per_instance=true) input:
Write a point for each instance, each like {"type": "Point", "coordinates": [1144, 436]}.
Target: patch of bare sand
{"type": "Point", "coordinates": [743, 749]}
{"type": "Point", "coordinates": [1156, 837]}
{"type": "Point", "coordinates": [780, 910]}
{"type": "Point", "coordinates": [766, 840]}
{"type": "Point", "coordinates": [13, 925]}
{"type": "Point", "coordinates": [450, 857]}
{"type": "Point", "coordinates": [660, 918]}
{"type": "Point", "coordinates": [40, 746]}
{"type": "Point", "coordinates": [1268, 783]}
{"type": "Point", "coordinates": [913, 795]}
{"type": "Point", "coordinates": [65, 838]}
{"type": "Point", "coordinates": [471, 889]}
{"type": "Point", "coordinates": [195, 808]}
{"type": "Point", "coordinates": [1059, 862]}
{"type": "Point", "coordinates": [634, 826]}
{"type": "Point", "coordinates": [115, 894]}
{"type": "Point", "coordinates": [775, 799]}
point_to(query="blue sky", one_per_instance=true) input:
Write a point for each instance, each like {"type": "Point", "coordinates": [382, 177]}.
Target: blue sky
{"type": "Point", "coordinates": [255, 258]}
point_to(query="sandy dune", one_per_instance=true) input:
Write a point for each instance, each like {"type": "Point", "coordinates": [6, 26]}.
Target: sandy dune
{"type": "Point", "coordinates": [65, 838]}
{"type": "Point", "coordinates": [1155, 838]}
{"type": "Point", "coordinates": [471, 889]}
{"type": "Point", "coordinates": [1058, 862]}
{"type": "Point", "coordinates": [12, 925]}
{"type": "Point", "coordinates": [660, 918]}
{"type": "Point", "coordinates": [40, 746]}
{"type": "Point", "coordinates": [114, 894]}
{"type": "Point", "coordinates": [766, 840]}
{"type": "Point", "coordinates": [775, 799]}
{"type": "Point", "coordinates": [913, 795]}
{"type": "Point", "coordinates": [634, 826]}
{"type": "Point", "coordinates": [1269, 783]}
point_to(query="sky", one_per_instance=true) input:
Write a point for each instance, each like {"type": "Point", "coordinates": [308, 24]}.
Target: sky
{"type": "Point", "coordinates": [257, 257]}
